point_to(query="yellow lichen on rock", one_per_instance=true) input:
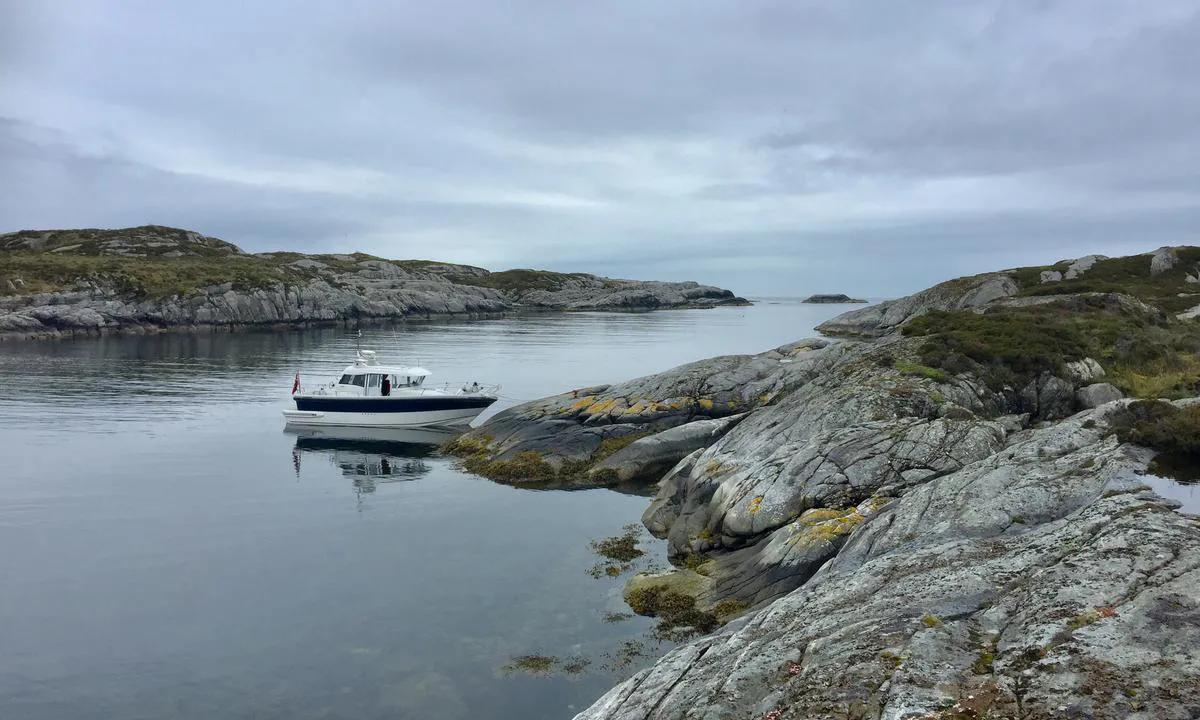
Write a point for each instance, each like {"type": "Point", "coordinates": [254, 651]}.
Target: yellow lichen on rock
{"type": "Point", "coordinates": [819, 515]}
{"type": "Point", "coordinates": [600, 408]}
{"type": "Point", "coordinates": [705, 403]}
{"type": "Point", "coordinates": [755, 504]}
{"type": "Point", "coordinates": [824, 525]}
{"type": "Point", "coordinates": [582, 403]}
{"type": "Point", "coordinates": [637, 408]}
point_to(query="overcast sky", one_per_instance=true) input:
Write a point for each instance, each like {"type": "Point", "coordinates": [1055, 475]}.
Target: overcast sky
{"type": "Point", "coordinates": [871, 147]}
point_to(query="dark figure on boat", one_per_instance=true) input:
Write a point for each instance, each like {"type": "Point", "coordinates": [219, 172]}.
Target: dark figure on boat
{"type": "Point", "coordinates": [385, 388]}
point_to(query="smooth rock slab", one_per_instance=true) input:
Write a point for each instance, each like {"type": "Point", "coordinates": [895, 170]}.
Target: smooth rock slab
{"type": "Point", "coordinates": [648, 458]}
{"type": "Point", "coordinates": [1041, 577]}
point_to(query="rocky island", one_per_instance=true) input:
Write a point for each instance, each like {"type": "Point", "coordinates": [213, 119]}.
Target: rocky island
{"type": "Point", "coordinates": [151, 278]}
{"type": "Point", "coordinates": [938, 511]}
{"type": "Point", "coordinates": [838, 299]}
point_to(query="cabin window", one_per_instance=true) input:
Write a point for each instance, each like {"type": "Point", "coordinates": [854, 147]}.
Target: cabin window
{"type": "Point", "coordinates": [346, 380]}
{"type": "Point", "coordinates": [359, 380]}
{"type": "Point", "coordinates": [418, 380]}
{"type": "Point", "coordinates": [373, 381]}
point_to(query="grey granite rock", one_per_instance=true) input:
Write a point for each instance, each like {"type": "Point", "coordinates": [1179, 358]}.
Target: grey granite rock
{"type": "Point", "coordinates": [1098, 394]}
{"type": "Point", "coordinates": [1085, 371]}
{"type": "Point", "coordinates": [1048, 397]}
{"type": "Point", "coordinates": [1163, 260]}
{"type": "Point", "coordinates": [1051, 276]}
{"type": "Point", "coordinates": [648, 458]}
{"type": "Point", "coordinates": [876, 320]}
{"type": "Point", "coordinates": [572, 427]}
{"type": "Point", "coordinates": [1082, 265]}
{"type": "Point", "coordinates": [1040, 581]}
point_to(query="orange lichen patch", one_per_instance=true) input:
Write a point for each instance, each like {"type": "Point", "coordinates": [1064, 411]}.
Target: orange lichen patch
{"type": "Point", "coordinates": [755, 504]}
{"type": "Point", "coordinates": [705, 403]}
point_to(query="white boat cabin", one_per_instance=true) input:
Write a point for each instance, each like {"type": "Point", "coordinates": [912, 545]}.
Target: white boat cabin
{"type": "Point", "coordinates": [366, 377]}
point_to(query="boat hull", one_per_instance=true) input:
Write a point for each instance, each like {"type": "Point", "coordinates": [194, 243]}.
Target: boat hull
{"type": "Point", "coordinates": [387, 412]}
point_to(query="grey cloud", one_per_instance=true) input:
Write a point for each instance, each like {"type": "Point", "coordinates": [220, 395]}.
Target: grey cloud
{"type": "Point", "coordinates": [770, 141]}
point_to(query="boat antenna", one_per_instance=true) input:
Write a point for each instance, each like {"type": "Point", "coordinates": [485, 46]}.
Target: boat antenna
{"type": "Point", "coordinates": [358, 342]}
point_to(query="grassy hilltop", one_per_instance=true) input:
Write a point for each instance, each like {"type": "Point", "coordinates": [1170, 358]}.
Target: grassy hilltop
{"type": "Point", "coordinates": [155, 261]}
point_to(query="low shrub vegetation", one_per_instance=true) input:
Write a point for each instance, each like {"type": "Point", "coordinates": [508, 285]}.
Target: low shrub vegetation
{"type": "Point", "coordinates": [1144, 354]}
{"type": "Point", "coordinates": [1161, 426]}
{"type": "Point", "coordinates": [520, 280]}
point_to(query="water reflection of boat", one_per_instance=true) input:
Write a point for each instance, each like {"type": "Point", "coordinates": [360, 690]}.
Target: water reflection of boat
{"type": "Point", "coordinates": [370, 456]}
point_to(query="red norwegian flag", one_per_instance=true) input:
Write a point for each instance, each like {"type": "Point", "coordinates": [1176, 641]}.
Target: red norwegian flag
{"type": "Point", "coordinates": [296, 383]}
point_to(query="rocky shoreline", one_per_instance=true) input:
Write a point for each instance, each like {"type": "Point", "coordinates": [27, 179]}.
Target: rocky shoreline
{"type": "Point", "coordinates": [940, 515]}
{"type": "Point", "coordinates": [153, 279]}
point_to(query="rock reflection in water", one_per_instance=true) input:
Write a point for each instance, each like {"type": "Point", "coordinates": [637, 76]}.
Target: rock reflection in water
{"type": "Point", "coordinates": [367, 456]}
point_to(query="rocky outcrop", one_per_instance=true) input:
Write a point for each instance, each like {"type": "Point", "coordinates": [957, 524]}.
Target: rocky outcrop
{"type": "Point", "coordinates": [915, 541]}
{"type": "Point", "coordinates": [1093, 396]}
{"type": "Point", "coordinates": [832, 299]}
{"type": "Point", "coordinates": [1041, 581]}
{"type": "Point", "coordinates": [646, 459]}
{"type": "Point", "coordinates": [153, 278]}
{"type": "Point", "coordinates": [1163, 260]}
{"type": "Point", "coordinates": [941, 523]}
{"type": "Point", "coordinates": [567, 435]}
{"type": "Point", "coordinates": [104, 308]}
{"type": "Point", "coordinates": [1085, 370]}
{"type": "Point", "coordinates": [1082, 265]}
{"type": "Point", "coordinates": [877, 320]}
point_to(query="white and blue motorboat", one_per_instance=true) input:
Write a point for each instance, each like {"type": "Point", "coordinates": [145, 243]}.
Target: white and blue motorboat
{"type": "Point", "coordinates": [387, 396]}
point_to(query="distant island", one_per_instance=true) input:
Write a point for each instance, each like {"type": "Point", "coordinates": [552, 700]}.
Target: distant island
{"type": "Point", "coordinates": [153, 278]}
{"type": "Point", "coordinates": [832, 299]}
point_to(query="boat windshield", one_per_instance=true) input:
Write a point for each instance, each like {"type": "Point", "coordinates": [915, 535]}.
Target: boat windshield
{"type": "Point", "coordinates": [373, 380]}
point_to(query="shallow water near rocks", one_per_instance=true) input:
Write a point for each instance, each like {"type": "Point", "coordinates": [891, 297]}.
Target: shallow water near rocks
{"type": "Point", "coordinates": [1186, 493]}
{"type": "Point", "coordinates": [171, 552]}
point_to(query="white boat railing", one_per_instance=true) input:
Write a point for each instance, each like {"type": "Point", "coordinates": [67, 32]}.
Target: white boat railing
{"type": "Point", "coordinates": [462, 389]}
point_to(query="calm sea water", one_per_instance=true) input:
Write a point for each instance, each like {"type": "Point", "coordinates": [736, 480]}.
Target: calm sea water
{"type": "Point", "coordinates": [170, 552]}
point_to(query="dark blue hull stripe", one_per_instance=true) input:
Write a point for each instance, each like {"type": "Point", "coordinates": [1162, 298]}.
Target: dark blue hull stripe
{"type": "Point", "coordinates": [392, 405]}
